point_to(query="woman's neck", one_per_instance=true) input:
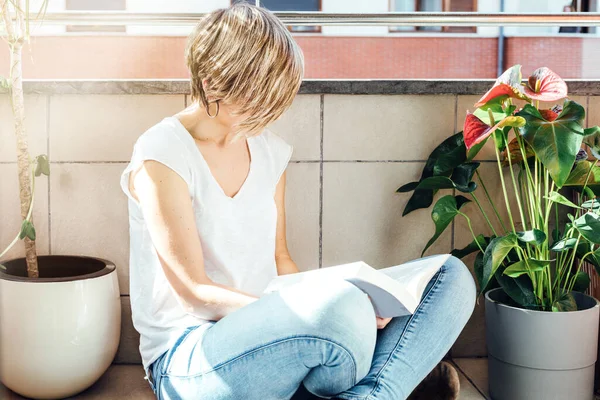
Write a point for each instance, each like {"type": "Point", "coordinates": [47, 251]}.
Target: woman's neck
{"type": "Point", "coordinates": [203, 128]}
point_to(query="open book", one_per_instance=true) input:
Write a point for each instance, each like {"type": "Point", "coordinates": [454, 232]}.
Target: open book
{"type": "Point", "coordinates": [391, 297]}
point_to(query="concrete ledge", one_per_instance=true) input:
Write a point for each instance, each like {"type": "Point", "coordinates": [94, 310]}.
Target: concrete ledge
{"type": "Point", "coordinates": [309, 86]}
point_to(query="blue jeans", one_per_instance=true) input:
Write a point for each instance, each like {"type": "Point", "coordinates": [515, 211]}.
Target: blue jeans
{"type": "Point", "coordinates": [324, 337]}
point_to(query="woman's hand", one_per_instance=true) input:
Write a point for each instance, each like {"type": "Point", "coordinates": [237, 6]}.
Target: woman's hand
{"type": "Point", "coordinates": [381, 322]}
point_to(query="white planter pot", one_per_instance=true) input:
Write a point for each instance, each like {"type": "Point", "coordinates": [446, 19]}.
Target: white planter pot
{"type": "Point", "coordinates": [58, 333]}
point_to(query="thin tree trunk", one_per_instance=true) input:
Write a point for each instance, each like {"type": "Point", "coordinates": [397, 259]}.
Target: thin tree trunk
{"type": "Point", "coordinates": [15, 37]}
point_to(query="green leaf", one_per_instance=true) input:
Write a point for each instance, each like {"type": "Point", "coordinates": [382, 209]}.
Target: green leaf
{"type": "Point", "coordinates": [27, 230]}
{"type": "Point", "coordinates": [564, 245]}
{"type": "Point", "coordinates": [471, 247]}
{"type": "Point", "coordinates": [409, 187]}
{"type": "Point", "coordinates": [592, 204]}
{"type": "Point", "coordinates": [589, 227]}
{"type": "Point", "coordinates": [582, 282]}
{"type": "Point", "coordinates": [442, 182]}
{"type": "Point", "coordinates": [559, 198]}
{"type": "Point", "coordinates": [494, 254]}
{"type": "Point", "coordinates": [579, 174]}
{"type": "Point", "coordinates": [462, 176]}
{"type": "Point", "coordinates": [525, 266]}
{"type": "Point", "coordinates": [443, 213]}
{"type": "Point", "coordinates": [520, 290]}
{"type": "Point", "coordinates": [533, 236]}
{"type": "Point", "coordinates": [594, 130]}
{"type": "Point", "coordinates": [447, 161]}
{"type": "Point", "coordinates": [557, 142]}
{"type": "Point", "coordinates": [423, 198]}
{"type": "Point", "coordinates": [42, 165]}
{"type": "Point", "coordinates": [474, 150]}
{"type": "Point", "coordinates": [565, 302]}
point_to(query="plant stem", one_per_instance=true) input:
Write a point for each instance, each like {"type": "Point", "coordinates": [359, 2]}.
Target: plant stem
{"type": "Point", "coordinates": [472, 232]}
{"type": "Point", "coordinates": [512, 224]}
{"type": "Point", "coordinates": [483, 213]}
{"type": "Point", "coordinates": [514, 182]}
{"type": "Point", "coordinates": [487, 194]}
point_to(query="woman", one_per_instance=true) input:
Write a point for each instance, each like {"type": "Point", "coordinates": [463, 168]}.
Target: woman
{"type": "Point", "coordinates": [207, 225]}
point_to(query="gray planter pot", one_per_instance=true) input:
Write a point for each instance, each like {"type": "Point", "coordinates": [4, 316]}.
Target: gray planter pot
{"type": "Point", "coordinates": [536, 355]}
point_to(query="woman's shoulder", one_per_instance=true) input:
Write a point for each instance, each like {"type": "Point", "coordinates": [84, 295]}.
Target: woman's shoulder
{"type": "Point", "coordinates": [275, 143]}
{"type": "Point", "coordinates": [164, 135]}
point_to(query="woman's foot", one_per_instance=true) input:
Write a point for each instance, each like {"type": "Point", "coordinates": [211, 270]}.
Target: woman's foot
{"type": "Point", "coordinates": [441, 384]}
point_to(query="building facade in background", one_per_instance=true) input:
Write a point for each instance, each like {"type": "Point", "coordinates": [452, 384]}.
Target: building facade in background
{"type": "Point", "coordinates": [331, 52]}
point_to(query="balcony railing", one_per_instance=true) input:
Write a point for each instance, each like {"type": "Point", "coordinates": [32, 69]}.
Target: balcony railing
{"type": "Point", "coordinates": [344, 19]}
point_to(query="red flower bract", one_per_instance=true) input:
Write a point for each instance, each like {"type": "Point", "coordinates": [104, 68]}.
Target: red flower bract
{"type": "Point", "coordinates": [475, 130]}
{"type": "Point", "coordinates": [550, 87]}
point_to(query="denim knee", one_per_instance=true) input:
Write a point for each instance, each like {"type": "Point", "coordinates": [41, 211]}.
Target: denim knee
{"type": "Point", "coordinates": [346, 316]}
{"type": "Point", "coordinates": [460, 281]}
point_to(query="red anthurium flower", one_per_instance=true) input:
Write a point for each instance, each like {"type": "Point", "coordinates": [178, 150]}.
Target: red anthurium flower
{"type": "Point", "coordinates": [549, 115]}
{"type": "Point", "coordinates": [475, 130]}
{"type": "Point", "coordinates": [545, 85]}
{"type": "Point", "coordinates": [508, 84]}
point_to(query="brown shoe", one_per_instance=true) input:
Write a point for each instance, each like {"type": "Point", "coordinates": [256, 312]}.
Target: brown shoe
{"type": "Point", "coordinates": [441, 384]}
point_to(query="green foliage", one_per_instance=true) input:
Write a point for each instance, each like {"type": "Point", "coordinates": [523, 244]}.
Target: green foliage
{"type": "Point", "coordinates": [556, 142]}
{"type": "Point", "coordinates": [443, 213]}
{"type": "Point", "coordinates": [540, 264]}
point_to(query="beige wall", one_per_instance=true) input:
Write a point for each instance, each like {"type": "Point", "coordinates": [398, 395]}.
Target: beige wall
{"type": "Point", "coordinates": [351, 153]}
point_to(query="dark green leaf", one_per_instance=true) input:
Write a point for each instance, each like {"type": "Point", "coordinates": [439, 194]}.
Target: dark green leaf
{"type": "Point", "coordinates": [419, 199]}
{"type": "Point", "coordinates": [494, 254]}
{"type": "Point", "coordinates": [471, 247]}
{"type": "Point", "coordinates": [520, 290]}
{"type": "Point", "coordinates": [565, 302]}
{"type": "Point", "coordinates": [525, 266]}
{"type": "Point", "coordinates": [443, 213]}
{"type": "Point", "coordinates": [564, 244]}
{"type": "Point", "coordinates": [589, 227]}
{"type": "Point", "coordinates": [582, 282]}
{"type": "Point", "coordinates": [449, 160]}
{"type": "Point", "coordinates": [27, 230]}
{"type": "Point", "coordinates": [579, 174]}
{"type": "Point", "coordinates": [424, 198]}
{"type": "Point", "coordinates": [462, 176]}
{"type": "Point", "coordinates": [409, 187]}
{"type": "Point", "coordinates": [533, 236]}
{"type": "Point", "coordinates": [559, 198]}
{"type": "Point", "coordinates": [557, 142]}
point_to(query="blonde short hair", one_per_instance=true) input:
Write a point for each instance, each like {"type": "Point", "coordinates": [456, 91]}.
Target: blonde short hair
{"type": "Point", "coordinates": [250, 59]}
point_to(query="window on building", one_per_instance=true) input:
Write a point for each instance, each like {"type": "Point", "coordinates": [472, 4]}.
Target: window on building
{"type": "Point", "coordinates": [432, 6]}
{"type": "Point", "coordinates": [95, 5]}
{"type": "Point", "coordinates": [294, 5]}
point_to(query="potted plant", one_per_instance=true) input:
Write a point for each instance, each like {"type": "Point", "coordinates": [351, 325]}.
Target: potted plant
{"type": "Point", "coordinates": [542, 330]}
{"type": "Point", "coordinates": [60, 316]}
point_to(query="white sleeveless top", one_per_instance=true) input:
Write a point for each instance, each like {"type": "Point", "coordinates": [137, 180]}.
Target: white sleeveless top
{"type": "Point", "coordinates": [237, 233]}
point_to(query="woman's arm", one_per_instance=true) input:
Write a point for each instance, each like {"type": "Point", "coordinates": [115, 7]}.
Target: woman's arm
{"type": "Point", "coordinates": [167, 208]}
{"type": "Point", "coordinates": [284, 262]}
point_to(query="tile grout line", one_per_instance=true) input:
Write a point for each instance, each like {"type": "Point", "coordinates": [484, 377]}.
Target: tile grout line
{"type": "Point", "coordinates": [468, 379]}
{"type": "Point", "coordinates": [321, 164]}
{"type": "Point", "coordinates": [454, 190]}
{"type": "Point", "coordinates": [587, 111]}
{"type": "Point", "coordinates": [48, 178]}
